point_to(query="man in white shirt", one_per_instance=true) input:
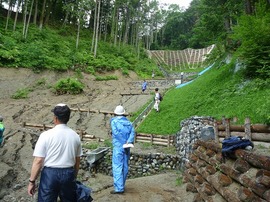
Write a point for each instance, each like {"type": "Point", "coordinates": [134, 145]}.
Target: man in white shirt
{"type": "Point", "coordinates": [157, 100]}
{"type": "Point", "coordinates": [57, 156]}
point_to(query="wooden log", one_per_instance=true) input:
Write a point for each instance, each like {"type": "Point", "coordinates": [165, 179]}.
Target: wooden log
{"type": "Point", "coordinates": [227, 127]}
{"type": "Point", "coordinates": [256, 128]}
{"type": "Point", "coordinates": [160, 143]}
{"type": "Point", "coordinates": [89, 136]}
{"type": "Point", "coordinates": [258, 161]}
{"type": "Point", "coordinates": [257, 188]}
{"type": "Point", "coordinates": [224, 191]}
{"type": "Point", "coordinates": [263, 177]}
{"type": "Point", "coordinates": [216, 131]}
{"type": "Point", "coordinates": [263, 137]}
{"type": "Point", "coordinates": [244, 194]}
{"type": "Point", "coordinates": [42, 126]}
{"type": "Point", "coordinates": [159, 140]}
{"type": "Point", "coordinates": [146, 141]}
{"type": "Point", "coordinates": [262, 144]}
{"type": "Point", "coordinates": [247, 129]}
{"type": "Point", "coordinates": [142, 138]}
{"type": "Point", "coordinates": [105, 112]}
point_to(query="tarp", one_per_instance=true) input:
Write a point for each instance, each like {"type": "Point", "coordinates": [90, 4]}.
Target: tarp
{"type": "Point", "coordinates": [200, 73]}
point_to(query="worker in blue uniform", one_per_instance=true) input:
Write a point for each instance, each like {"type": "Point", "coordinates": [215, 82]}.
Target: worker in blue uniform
{"type": "Point", "coordinates": [122, 133]}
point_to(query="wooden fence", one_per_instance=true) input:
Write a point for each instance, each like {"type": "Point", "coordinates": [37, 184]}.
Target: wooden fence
{"type": "Point", "coordinates": [258, 133]}
{"type": "Point", "coordinates": [156, 139]}
{"type": "Point", "coordinates": [153, 139]}
{"type": "Point", "coordinates": [83, 135]}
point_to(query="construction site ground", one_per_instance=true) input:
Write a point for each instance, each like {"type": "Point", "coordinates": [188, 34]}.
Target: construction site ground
{"type": "Point", "coordinates": [16, 153]}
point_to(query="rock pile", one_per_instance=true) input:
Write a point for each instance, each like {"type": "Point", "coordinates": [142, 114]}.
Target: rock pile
{"type": "Point", "coordinates": [191, 132]}
{"type": "Point", "coordinates": [140, 164]}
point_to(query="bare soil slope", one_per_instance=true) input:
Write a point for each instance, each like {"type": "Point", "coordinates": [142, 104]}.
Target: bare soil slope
{"type": "Point", "coordinates": [16, 154]}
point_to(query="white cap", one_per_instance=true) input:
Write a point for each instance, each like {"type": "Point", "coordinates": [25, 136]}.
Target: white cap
{"type": "Point", "coordinates": [119, 110]}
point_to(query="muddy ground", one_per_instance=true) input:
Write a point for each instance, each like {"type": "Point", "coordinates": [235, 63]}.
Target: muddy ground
{"type": "Point", "coordinates": [16, 153]}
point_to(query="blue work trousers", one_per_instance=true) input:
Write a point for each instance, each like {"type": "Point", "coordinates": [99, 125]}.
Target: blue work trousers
{"type": "Point", "coordinates": [56, 182]}
{"type": "Point", "coordinates": [120, 161]}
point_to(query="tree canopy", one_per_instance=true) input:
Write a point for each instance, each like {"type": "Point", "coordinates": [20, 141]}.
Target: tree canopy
{"type": "Point", "coordinates": [147, 25]}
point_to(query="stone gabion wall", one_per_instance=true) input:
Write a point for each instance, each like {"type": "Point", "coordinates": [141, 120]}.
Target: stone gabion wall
{"type": "Point", "coordinates": [190, 132]}
{"type": "Point", "coordinates": [139, 165]}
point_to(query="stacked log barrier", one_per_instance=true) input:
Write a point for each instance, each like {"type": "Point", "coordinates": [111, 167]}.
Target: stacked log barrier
{"type": "Point", "coordinates": [245, 178]}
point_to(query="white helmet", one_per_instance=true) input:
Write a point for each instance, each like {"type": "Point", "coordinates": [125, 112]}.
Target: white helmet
{"type": "Point", "coordinates": [119, 110]}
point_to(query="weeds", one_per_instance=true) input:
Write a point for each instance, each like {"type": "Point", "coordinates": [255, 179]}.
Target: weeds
{"type": "Point", "coordinates": [21, 93]}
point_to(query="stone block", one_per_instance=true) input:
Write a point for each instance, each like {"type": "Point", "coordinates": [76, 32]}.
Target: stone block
{"type": "Point", "coordinates": [207, 133]}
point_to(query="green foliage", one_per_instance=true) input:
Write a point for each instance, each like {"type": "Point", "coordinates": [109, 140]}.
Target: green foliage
{"type": "Point", "coordinates": [252, 34]}
{"type": "Point", "coordinates": [21, 93]}
{"type": "Point", "coordinates": [68, 86]}
{"type": "Point", "coordinates": [218, 92]}
{"type": "Point", "coordinates": [41, 82]}
{"type": "Point", "coordinates": [106, 78]}
{"type": "Point", "coordinates": [91, 146]}
{"type": "Point", "coordinates": [108, 143]}
{"type": "Point", "coordinates": [179, 181]}
{"type": "Point", "coordinates": [54, 49]}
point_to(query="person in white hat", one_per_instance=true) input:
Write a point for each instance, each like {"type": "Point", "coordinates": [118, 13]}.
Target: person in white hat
{"type": "Point", "coordinates": [2, 129]}
{"type": "Point", "coordinates": [122, 133]}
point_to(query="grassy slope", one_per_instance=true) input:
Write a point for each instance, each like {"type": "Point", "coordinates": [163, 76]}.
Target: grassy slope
{"type": "Point", "coordinates": [219, 92]}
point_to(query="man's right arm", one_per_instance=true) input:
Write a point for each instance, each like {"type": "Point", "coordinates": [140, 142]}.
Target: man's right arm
{"type": "Point", "coordinates": [36, 167]}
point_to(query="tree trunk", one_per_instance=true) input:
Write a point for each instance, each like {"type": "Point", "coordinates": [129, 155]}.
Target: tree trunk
{"type": "Point", "coordinates": [78, 34]}
{"type": "Point", "coordinates": [24, 17]}
{"type": "Point", "coordinates": [16, 16]}
{"type": "Point", "coordinates": [42, 15]}
{"type": "Point", "coordinates": [127, 26]}
{"type": "Point", "coordinates": [94, 31]}
{"type": "Point", "coordinates": [8, 14]}
{"type": "Point", "coordinates": [36, 12]}
{"type": "Point", "coordinates": [29, 18]}
{"type": "Point", "coordinates": [97, 29]}
{"type": "Point", "coordinates": [248, 7]}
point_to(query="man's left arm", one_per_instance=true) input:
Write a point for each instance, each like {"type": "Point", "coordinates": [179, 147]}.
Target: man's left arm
{"type": "Point", "coordinates": [77, 165]}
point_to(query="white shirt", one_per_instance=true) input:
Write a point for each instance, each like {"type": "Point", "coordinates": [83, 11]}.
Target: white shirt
{"type": "Point", "coordinates": [157, 95]}
{"type": "Point", "coordinates": [59, 146]}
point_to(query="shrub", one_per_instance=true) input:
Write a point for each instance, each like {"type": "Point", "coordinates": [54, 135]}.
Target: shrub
{"type": "Point", "coordinates": [68, 86]}
{"type": "Point", "coordinates": [106, 78]}
{"type": "Point", "coordinates": [21, 93]}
